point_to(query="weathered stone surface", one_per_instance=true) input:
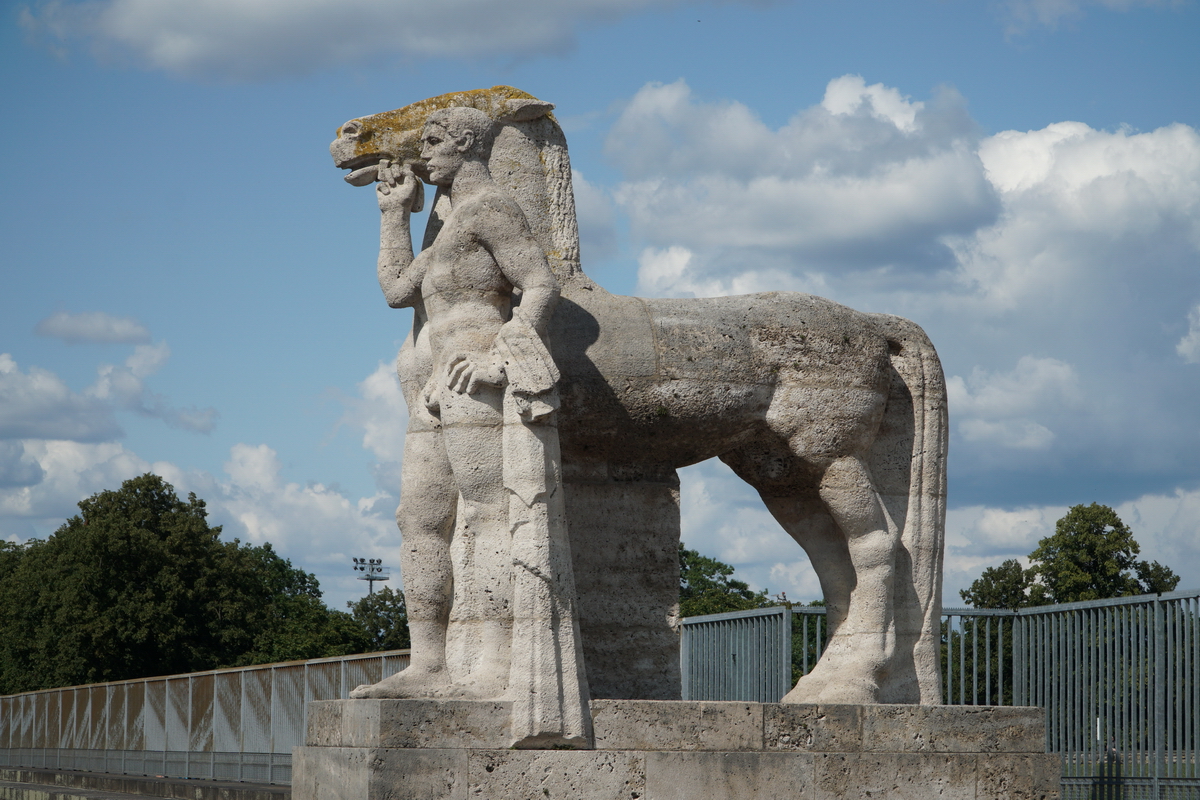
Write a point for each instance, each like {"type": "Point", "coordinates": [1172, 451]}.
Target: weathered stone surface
{"type": "Point", "coordinates": [556, 775]}
{"type": "Point", "coordinates": [419, 775]}
{"type": "Point", "coordinates": [1019, 777]}
{"type": "Point", "coordinates": [896, 776]}
{"type": "Point", "coordinates": [812, 728]}
{"type": "Point", "coordinates": [836, 417]}
{"type": "Point", "coordinates": [687, 749]}
{"type": "Point", "coordinates": [409, 723]}
{"type": "Point", "coordinates": [649, 725]}
{"type": "Point", "coordinates": [729, 776]}
{"type": "Point", "coordinates": [953, 729]}
{"type": "Point", "coordinates": [445, 723]}
{"type": "Point", "coordinates": [627, 577]}
{"type": "Point", "coordinates": [331, 773]}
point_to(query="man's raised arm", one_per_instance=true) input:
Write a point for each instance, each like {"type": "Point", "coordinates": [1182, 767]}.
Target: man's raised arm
{"type": "Point", "coordinates": [396, 191]}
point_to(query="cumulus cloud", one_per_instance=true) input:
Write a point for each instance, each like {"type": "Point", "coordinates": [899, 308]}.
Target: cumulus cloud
{"type": "Point", "coordinates": [16, 466]}
{"type": "Point", "coordinates": [1085, 211]}
{"type": "Point", "coordinates": [1067, 251]}
{"type": "Point", "coordinates": [124, 386]}
{"type": "Point", "coordinates": [1165, 525]}
{"type": "Point", "coordinates": [92, 326]}
{"type": "Point", "coordinates": [996, 409]}
{"type": "Point", "coordinates": [266, 508]}
{"type": "Point", "coordinates": [270, 38]}
{"type": "Point", "coordinates": [38, 405]}
{"type": "Point", "coordinates": [722, 517]}
{"type": "Point", "coordinates": [69, 471]}
{"type": "Point", "coordinates": [866, 181]}
{"type": "Point", "coordinates": [317, 525]}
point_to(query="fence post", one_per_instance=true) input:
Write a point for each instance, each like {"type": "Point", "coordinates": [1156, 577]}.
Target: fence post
{"type": "Point", "coordinates": [786, 651]}
{"type": "Point", "coordinates": [1157, 693]}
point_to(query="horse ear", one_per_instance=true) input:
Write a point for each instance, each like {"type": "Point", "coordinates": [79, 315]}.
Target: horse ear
{"type": "Point", "coordinates": [523, 110]}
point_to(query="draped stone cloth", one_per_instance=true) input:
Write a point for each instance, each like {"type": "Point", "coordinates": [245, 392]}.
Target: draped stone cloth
{"type": "Point", "coordinates": [547, 681]}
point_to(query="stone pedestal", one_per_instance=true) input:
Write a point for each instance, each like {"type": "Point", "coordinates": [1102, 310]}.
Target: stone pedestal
{"type": "Point", "coordinates": [625, 553]}
{"type": "Point", "coordinates": [669, 750]}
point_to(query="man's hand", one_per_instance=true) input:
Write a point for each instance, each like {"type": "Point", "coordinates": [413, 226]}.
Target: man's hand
{"type": "Point", "coordinates": [464, 375]}
{"type": "Point", "coordinates": [398, 189]}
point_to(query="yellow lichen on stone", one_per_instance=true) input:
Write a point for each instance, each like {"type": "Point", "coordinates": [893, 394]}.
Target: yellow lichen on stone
{"type": "Point", "coordinates": [397, 133]}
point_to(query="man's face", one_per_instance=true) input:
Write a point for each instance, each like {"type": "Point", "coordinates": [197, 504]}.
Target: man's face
{"type": "Point", "coordinates": [442, 154]}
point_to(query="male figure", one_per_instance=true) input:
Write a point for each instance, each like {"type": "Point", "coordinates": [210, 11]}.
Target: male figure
{"type": "Point", "coordinates": [462, 290]}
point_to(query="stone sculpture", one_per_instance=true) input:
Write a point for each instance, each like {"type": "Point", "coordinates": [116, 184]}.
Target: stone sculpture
{"type": "Point", "coordinates": [836, 417]}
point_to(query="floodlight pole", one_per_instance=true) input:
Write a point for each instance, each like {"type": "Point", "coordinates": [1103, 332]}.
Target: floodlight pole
{"type": "Point", "coordinates": [373, 570]}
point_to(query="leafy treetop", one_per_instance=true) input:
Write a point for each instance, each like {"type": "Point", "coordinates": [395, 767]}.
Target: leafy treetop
{"type": "Point", "coordinates": [139, 584]}
{"type": "Point", "coordinates": [706, 586]}
{"type": "Point", "coordinates": [1092, 555]}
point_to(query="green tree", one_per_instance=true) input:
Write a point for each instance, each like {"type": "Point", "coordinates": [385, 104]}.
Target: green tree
{"type": "Point", "coordinates": [1092, 555]}
{"type": "Point", "coordinates": [1006, 586]}
{"type": "Point", "coordinates": [384, 616]}
{"type": "Point", "coordinates": [139, 584]}
{"type": "Point", "coordinates": [706, 586]}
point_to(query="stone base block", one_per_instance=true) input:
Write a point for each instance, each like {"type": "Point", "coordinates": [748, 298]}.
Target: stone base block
{"type": "Point", "coordinates": [669, 750]}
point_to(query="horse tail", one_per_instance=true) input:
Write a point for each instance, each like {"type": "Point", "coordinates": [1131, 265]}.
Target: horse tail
{"type": "Point", "coordinates": [916, 414]}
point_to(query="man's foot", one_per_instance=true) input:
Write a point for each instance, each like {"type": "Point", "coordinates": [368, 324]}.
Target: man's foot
{"type": "Point", "coordinates": [411, 682]}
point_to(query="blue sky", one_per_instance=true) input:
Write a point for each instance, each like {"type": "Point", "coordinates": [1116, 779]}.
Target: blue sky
{"type": "Point", "coordinates": [189, 287]}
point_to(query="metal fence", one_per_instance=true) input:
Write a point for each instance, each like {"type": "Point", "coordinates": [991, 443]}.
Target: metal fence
{"type": "Point", "coordinates": [230, 724]}
{"type": "Point", "coordinates": [742, 655]}
{"type": "Point", "coordinates": [1119, 679]}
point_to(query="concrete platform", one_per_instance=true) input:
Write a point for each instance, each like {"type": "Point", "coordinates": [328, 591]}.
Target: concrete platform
{"type": "Point", "coordinates": [676, 750]}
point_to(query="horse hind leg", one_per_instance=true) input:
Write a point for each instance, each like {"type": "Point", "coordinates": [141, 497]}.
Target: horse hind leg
{"type": "Point", "coordinates": [856, 661]}
{"type": "Point", "coordinates": [808, 522]}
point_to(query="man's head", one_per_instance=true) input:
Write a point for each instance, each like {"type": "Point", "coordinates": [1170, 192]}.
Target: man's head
{"type": "Point", "coordinates": [453, 136]}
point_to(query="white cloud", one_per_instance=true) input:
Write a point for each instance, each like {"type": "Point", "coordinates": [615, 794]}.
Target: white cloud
{"type": "Point", "coordinates": [317, 526]}
{"type": "Point", "coordinates": [38, 405]}
{"type": "Point", "coordinates": [1189, 346]}
{"type": "Point", "coordinates": [996, 408]}
{"type": "Point", "coordinates": [269, 38]}
{"type": "Point", "coordinates": [722, 517]}
{"type": "Point", "coordinates": [70, 471]}
{"type": "Point", "coordinates": [92, 326]}
{"type": "Point", "coordinates": [17, 468]}
{"type": "Point", "coordinates": [866, 181]}
{"type": "Point", "coordinates": [380, 412]}
{"type": "Point", "coordinates": [124, 386]}
{"type": "Point", "coordinates": [1069, 252]}
{"type": "Point", "coordinates": [850, 93]}
{"type": "Point", "coordinates": [264, 507]}
{"type": "Point", "coordinates": [1026, 14]}
{"type": "Point", "coordinates": [1084, 212]}
{"type": "Point", "coordinates": [1165, 525]}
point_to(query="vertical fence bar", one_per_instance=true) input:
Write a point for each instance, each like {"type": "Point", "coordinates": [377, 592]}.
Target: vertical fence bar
{"type": "Point", "coordinates": [1159, 701]}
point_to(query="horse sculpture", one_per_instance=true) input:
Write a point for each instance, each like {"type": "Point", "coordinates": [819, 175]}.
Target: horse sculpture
{"type": "Point", "coordinates": [836, 417]}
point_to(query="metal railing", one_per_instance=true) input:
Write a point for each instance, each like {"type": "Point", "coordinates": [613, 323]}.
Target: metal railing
{"type": "Point", "coordinates": [230, 724]}
{"type": "Point", "coordinates": [1119, 679]}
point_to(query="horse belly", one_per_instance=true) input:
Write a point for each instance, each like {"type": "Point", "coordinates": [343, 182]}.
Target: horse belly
{"type": "Point", "coordinates": [680, 381]}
